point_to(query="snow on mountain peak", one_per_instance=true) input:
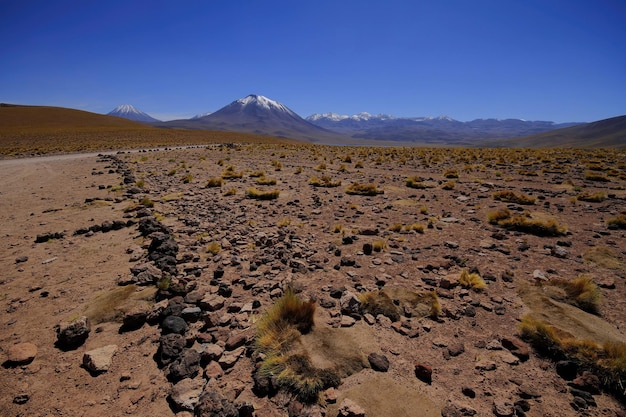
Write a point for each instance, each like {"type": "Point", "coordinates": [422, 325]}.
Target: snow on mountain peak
{"type": "Point", "coordinates": [125, 108]}
{"type": "Point", "coordinates": [264, 103]}
{"type": "Point", "coordinates": [128, 111]}
{"type": "Point", "coordinates": [363, 116]}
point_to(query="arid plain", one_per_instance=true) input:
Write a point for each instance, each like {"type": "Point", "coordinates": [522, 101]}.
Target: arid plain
{"type": "Point", "coordinates": [485, 281]}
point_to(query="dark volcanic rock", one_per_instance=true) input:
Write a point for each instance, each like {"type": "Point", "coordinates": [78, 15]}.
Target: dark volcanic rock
{"type": "Point", "coordinates": [174, 324]}
{"type": "Point", "coordinates": [72, 335]}
{"type": "Point", "coordinates": [170, 348]}
{"type": "Point", "coordinates": [378, 362]}
{"type": "Point", "coordinates": [424, 373]}
{"type": "Point", "coordinates": [214, 404]}
{"type": "Point", "coordinates": [186, 365]}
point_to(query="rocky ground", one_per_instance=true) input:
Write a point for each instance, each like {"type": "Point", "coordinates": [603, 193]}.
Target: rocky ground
{"type": "Point", "coordinates": [130, 286]}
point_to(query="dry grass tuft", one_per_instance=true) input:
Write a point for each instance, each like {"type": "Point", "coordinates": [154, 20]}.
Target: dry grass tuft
{"type": "Point", "coordinates": [451, 173]}
{"type": "Point", "coordinates": [379, 302]}
{"type": "Point", "coordinates": [363, 189]}
{"type": "Point", "coordinates": [266, 181]}
{"type": "Point", "coordinates": [526, 223]}
{"type": "Point", "coordinates": [596, 176]}
{"type": "Point", "coordinates": [511, 197]}
{"type": "Point", "coordinates": [394, 302]}
{"type": "Point", "coordinates": [214, 182]}
{"type": "Point", "coordinates": [592, 198]}
{"type": "Point", "coordinates": [619, 221]}
{"type": "Point", "coordinates": [448, 185]}
{"type": "Point", "coordinates": [325, 181]}
{"type": "Point", "coordinates": [214, 248]}
{"type": "Point", "coordinates": [607, 361]}
{"type": "Point", "coordinates": [262, 195]}
{"type": "Point", "coordinates": [581, 292]}
{"type": "Point", "coordinates": [230, 174]}
{"type": "Point", "coordinates": [471, 280]}
{"type": "Point", "coordinates": [417, 182]}
{"type": "Point", "coordinates": [108, 306]}
{"type": "Point", "coordinates": [603, 257]}
{"type": "Point", "coordinates": [277, 333]}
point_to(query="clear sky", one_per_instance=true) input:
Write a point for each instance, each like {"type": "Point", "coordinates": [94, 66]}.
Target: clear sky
{"type": "Point", "coordinates": [531, 59]}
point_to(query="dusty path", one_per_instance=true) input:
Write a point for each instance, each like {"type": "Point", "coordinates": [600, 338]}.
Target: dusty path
{"type": "Point", "coordinates": [47, 195]}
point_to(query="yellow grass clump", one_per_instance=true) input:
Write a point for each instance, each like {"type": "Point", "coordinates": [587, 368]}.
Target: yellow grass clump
{"type": "Point", "coordinates": [511, 197]}
{"type": "Point", "coordinates": [214, 182]}
{"type": "Point", "coordinates": [263, 180]}
{"type": "Point", "coordinates": [363, 189]}
{"type": "Point", "coordinates": [324, 181]}
{"type": "Point", "coordinates": [526, 223]}
{"type": "Point", "coordinates": [619, 221]}
{"type": "Point", "coordinates": [262, 195]}
{"type": "Point", "coordinates": [606, 360]}
{"type": "Point", "coordinates": [471, 280]}
{"type": "Point", "coordinates": [278, 331]}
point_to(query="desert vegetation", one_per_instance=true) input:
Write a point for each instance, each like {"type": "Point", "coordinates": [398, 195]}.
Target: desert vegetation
{"type": "Point", "coordinates": [418, 274]}
{"type": "Point", "coordinates": [526, 223]}
{"type": "Point", "coordinates": [363, 189]}
{"type": "Point", "coordinates": [509, 196]}
{"type": "Point", "coordinates": [278, 332]}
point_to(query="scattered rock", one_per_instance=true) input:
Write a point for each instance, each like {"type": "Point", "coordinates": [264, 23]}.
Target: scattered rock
{"type": "Point", "coordinates": [347, 321]}
{"type": "Point", "coordinates": [517, 347]}
{"type": "Point", "coordinates": [72, 335]}
{"type": "Point", "coordinates": [174, 324]}
{"type": "Point", "coordinates": [21, 259]}
{"type": "Point", "coordinates": [567, 369]}
{"type": "Point", "coordinates": [349, 408]}
{"type": "Point", "coordinates": [134, 319]}
{"type": "Point", "coordinates": [456, 349]}
{"type": "Point", "coordinates": [587, 382]}
{"type": "Point", "coordinates": [349, 303]}
{"type": "Point", "coordinates": [214, 404]}
{"type": "Point", "coordinates": [228, 359]}
{"type": "Point", "coordinates": [99, 360]}
{"type": "Point", "coordinates": [170, 348]}
{"type": "Point", "coordinates": [424, 373]}
{"type": "Point", "coordinates": [186, 365]}
{"type": "Point", "coordinates": [236, 341]}
{"type": "Point", "coordinates": [378, 362]}
{"type": "Point", "coordinates": [21, 354]}
{"type": "Point", "coordinates": [503, 408]}
{"type": "Point", "coordinates": [186, 394]}
{"type": "Point", "coordinates": [21, 398]}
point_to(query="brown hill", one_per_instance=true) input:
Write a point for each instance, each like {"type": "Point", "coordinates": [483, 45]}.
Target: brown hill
{"type": "Point", "coordinates": [43, 129]}
{"type": "Point", "coordinates": [606, 133]}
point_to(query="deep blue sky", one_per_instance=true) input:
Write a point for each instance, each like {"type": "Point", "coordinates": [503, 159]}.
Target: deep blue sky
{"type": "Point", "coordinates": [530, 59]}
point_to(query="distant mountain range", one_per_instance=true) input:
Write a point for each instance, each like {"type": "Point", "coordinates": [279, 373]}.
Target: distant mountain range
{"type": "Point", "coordinates": [606, 133]}
{"type": "Point", "coordinates": [129, 112]}
{"type": "Point", "coordinates": [260, 115]}
{"type": "Point", "coordinates": [433, 130]}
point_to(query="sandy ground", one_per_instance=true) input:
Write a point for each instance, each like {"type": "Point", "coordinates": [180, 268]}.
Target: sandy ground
{"type": "Point", "coordinates": [62, 277]}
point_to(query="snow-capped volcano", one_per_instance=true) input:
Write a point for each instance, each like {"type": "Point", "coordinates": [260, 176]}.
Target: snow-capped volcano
{"type": "Point", "coordinates": [264, 103]}
{"type": "Point", "coordinates": [256, 114]}
{"type": "Point", "coordinates": [131, 113]}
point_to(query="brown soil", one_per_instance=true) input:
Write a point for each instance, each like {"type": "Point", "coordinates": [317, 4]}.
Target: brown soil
{"type": "Point", "coordinates": [76, 274]}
